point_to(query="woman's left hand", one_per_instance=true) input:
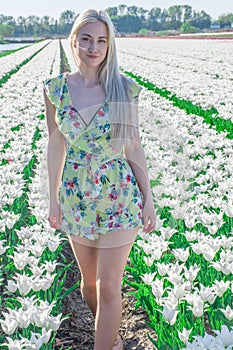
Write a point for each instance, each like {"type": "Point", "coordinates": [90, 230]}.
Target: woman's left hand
{"type": "Point", "coordinates": [148, 214]}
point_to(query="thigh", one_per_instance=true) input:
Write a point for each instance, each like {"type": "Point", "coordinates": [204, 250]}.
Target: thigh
{"type": "Point", "coordinates": [112, 260]}
{"type": "Point", "coordinates": [86, 257]}
{"type": "Point", "coordinates": [114, 239]}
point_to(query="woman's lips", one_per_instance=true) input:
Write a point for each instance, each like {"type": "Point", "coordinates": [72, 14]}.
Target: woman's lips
{"type": "Point", "coordinates": [92, 56]}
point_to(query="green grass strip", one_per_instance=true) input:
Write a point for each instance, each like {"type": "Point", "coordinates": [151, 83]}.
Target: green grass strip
{"type": "Point", "coordinates": [7, 76]}
{"type": "Point", "coordinates": [6, 53]}
{"type": "Point", "coordinates": [64, 63]}
{"type": "Point", "coordinates": [221, 124]}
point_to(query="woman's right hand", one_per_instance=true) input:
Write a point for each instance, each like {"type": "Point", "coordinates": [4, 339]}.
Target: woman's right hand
{"type": "Point", "coordinates": [55, 215]}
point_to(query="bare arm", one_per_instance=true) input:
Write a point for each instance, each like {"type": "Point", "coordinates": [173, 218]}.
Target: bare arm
{"type": "Point", "coordinates": [56, 152]}
{"type": "Point", "coordinates": [135, 156]}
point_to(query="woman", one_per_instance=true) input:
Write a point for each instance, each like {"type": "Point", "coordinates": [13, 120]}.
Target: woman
{"type": "Point", "coordinates": [98, 182]}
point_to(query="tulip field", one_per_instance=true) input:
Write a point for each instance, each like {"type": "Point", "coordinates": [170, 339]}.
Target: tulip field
{"type": "Point", "coordinates": [182, 272]}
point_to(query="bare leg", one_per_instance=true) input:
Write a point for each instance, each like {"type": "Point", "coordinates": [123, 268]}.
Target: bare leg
{"type": "Point", "coordinates": [86, 257]}
{"type": "Point", "coordinates": [110, 269]}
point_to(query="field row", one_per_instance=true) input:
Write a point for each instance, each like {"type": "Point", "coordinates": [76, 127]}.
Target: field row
{"type": "Point", "coordinates": [182, 272]}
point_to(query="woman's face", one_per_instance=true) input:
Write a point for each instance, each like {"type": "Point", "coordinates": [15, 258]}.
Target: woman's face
{"type": "Point", "coordinates": [91, 44]}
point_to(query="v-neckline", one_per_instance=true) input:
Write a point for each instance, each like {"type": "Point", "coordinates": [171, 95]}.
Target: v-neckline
{"type": "Point", "coordinates": [71, 104]}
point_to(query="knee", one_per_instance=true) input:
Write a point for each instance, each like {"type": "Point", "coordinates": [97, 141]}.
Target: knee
{"type": "Point", "coordinates": [108, 289]}
{"type": "Point", "coordinates": [89, 286]}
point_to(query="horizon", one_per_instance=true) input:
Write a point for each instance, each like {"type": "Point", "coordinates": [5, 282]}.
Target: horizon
{"type": "Point", "coordinates": [26, 8]}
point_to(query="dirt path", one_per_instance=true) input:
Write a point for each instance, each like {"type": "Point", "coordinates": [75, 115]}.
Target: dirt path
{"type": "Point", "coordinates": [78, 331]}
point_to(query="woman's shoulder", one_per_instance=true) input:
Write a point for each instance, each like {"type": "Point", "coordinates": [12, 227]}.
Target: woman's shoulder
{"type": "Point", "coordinates": [56, 80]}
{"type": "Point", "coordinates": [133, 86]}
{"type": "Point", "coordinates": [54, 87]}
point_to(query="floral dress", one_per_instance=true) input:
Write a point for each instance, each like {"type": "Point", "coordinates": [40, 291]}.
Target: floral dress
{"type": "Point", "coordinates": [98, 191]}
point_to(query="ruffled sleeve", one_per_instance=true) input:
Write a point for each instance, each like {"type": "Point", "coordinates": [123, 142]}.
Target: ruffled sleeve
{"type": "Point", "coordinates": [53, 89]}
{"type": "Point", "coordinates": [135, 90]}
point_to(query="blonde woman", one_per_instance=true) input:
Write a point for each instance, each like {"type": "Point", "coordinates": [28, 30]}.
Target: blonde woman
{"type": "Point", "coordinates": [99, 193]}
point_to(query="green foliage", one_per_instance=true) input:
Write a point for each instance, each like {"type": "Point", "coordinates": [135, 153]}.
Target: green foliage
{"type": "Point", "coordinates": [187, 28]}
{"type": "Point", "coordinates": [5, 29]}
{"type": "Point", "coordinates": [144, 31]}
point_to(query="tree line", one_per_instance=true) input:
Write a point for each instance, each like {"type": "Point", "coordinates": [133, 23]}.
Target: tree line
{"type": "Point", "coordinates": [127, 19]}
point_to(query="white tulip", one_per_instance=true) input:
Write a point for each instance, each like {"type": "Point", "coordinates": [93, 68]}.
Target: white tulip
{"type": "Point", "coordinates": [11, 286]}
{"type": "Point", "coordinates": [19, 344]}
{"type": "Point", "coordinates": [184, 335]}
{"type": "Point", "coordinates": [169, 314]}
{"type": "Point", "coordinates": [54, 322]}
{"type": "Point", "coordinates": [181, 254]}
{"type": "Point", "coordinates": [220, 287]}
{"type": "Point", "coordinates": [148, 277]}
{"type": "Point", "coordinates": [207, 294]}
{"type": "Point", "coordinates": [148, 260]}
{"type": "Point", "coordinates": [162, 269]}
{"type": "Point", "coordinates": [225, 336]}
{"type": "Point", "coordinates": [9, 324]}
{"type": "Point", "coordinates": [228, 312]}
{"type": "Point", "coordinates": [39, 339]}
{"type": "Point", "coordinates": [191, 273]}
{"type": "Point", "coordinates": [157, 288]}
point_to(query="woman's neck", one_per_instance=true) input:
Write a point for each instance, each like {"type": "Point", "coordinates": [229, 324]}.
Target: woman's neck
{"type": "Point", "coordinates": [87, 77]}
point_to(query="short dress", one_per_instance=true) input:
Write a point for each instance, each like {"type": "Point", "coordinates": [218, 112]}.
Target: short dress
{"type": "Point", "coordinates": [98, 192]}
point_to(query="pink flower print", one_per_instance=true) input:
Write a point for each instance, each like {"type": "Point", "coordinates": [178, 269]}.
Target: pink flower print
{"type": "Point", "coordinates": [103, 166]}
{"type": "Point", "coordinates": [76, 124]}
{"type": "Point", "coordinates": [140, 206]}
{"type": "Point", "coordinates": [87, 194]}
{"type": "Point", "coordinates": [96, 179]}
{"type": "Point", "coordinates": [77, 219]}
{"type": "Point", "coordinates": [110, 225]}
{"type": "Point", "coordinates": [123, 185]}
{"type": "Point", "coordinates": [88, 156]}
{"type": "Point", "coordinates": [120, 208]}
{"type": "Point", "coordinates": [70, 184]}
{"type": "Point", "coordinates": [128, 178]}
{"type": "Point", "coordinates": [75, 166]}
{"type": "Point", "coordinates": [113, 196]}
{"type": "Point", "coordinates": [100, 113]}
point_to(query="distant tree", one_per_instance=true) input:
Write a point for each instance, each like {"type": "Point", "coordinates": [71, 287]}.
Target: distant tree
{"type": "Point", "coordinates": [5, 30]}
{"type": "Point", "coordinates": [225, 19]}
{"type": "Point", "coordinates": [154, 19]}
{"type": "Point", "coordinates": [200, 20]}
{"type": "Point", "coordinates": [127, 23]}
{"type": "Point", "coordinates": [142, 15]}
{"type": "Point", "coordinates": [66, 17]}
{"type": "Point", "coordinates": [66, 20]}
{"type": "Point", "coordinates": [175, 13]}
{"type": "Point", "coordinates": [20, 28]}
{"type": "Point", "coordinates": [121, 9]}
{"type": "Point", "coordinates": [112, 11]}
{"type": "Point", "coordinates": [175, 16]}
{"type": "Point", "coordinates": [132, 10]}
{"type": "Point", "coordinates": [7, 20]}
{"type": "Point", "coordinates": [187, 13]}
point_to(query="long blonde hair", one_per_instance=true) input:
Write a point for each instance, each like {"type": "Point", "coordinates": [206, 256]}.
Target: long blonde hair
{"type": "Point", "coordinates": [122, 112]}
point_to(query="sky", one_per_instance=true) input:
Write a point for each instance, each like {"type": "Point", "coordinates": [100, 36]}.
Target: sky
{"type": "Point", "coordinates": [53, 8]}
